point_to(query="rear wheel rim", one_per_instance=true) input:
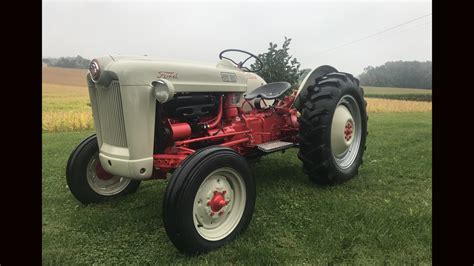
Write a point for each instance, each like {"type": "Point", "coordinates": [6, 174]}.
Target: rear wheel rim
{"type": "Point", "coordinates": [219, 204]}
{"type": "Point", "coordinates": [104, 185]}
{"type": "Point", "coordinates": [346, 132]}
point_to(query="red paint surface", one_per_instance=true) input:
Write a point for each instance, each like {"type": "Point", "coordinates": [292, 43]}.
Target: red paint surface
{"type": "Point", "coordinates": [348, 131]}
{"type": "Point", "coordinates": [180, 131]}
{"type": "Point", "coordinates": [101, 173]}
{"type": "Point", "coordinates": [217, 202]}
{"type": "Point", "coordinates": [233, 128]}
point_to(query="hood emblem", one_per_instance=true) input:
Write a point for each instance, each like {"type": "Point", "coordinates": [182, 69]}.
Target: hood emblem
{"type": "Point", "coordinates": [167, 75]}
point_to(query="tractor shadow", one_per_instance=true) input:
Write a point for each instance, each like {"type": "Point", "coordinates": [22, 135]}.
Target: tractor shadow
{"type": "Point", "coordinates": [283, 169]}
{"type": "Point", "coordinates": [277, 168]}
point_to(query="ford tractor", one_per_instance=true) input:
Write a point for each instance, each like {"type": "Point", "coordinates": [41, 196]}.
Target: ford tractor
{"type": "Point", "coordinates": [199, 125]}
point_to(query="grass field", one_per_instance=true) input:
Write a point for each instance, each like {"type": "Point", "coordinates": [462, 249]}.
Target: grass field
{"type": "Point", "coordinates": [382, 216]}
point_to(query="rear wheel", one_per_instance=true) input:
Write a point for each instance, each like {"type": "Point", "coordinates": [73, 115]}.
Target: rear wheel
{"type": "Point", "coordinates": [333, 128]}
{"type": "Point", "coordinates": [88, 181]}
{"type": "Point", "coordinates": [209, 200]}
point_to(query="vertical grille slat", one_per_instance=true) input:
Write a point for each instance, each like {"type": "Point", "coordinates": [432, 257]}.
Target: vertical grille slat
{"type": "Point", "coordinates": [108, 109]}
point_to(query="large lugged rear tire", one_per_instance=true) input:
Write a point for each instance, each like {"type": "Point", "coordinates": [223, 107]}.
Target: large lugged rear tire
{"type": "Point", "coordinates": [209, 201]}
{"type": "Point", "coordinates": [88, 181]}
{"type": "Point", "coordinates": [333, 128]}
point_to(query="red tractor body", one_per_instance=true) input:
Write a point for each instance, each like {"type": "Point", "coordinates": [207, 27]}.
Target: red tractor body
{"type": "Point", "coordinates": [233, 128]}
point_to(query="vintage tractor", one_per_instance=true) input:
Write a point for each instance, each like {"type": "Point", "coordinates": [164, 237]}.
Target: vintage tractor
{"type": "Point", "coordinates": [202, 123]}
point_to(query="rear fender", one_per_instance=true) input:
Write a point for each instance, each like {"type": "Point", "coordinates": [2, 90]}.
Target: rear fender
{"type": "Point", "coordinates": [313, 75]}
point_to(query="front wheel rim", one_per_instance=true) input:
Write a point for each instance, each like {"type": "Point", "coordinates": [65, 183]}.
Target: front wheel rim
{"type": "Point", "coordinates": [101, 182]}
{"type": "Point", "coordinates": [219, 204]}
{"type": "Point", "coordinates": [346, 132]}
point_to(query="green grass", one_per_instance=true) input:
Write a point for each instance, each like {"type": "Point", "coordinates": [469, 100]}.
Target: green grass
{"type": "Point", "coordinates": [383, 215]}
{"type": "Point", "coordinates": [390, 90]}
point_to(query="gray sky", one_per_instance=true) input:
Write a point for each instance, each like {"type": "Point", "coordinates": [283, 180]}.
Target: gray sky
{"type": "Point", "coordinates": [198, 31]}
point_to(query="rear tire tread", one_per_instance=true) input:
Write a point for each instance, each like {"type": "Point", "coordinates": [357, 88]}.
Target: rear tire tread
{"type": "Point", "coordinates": [316, 109]}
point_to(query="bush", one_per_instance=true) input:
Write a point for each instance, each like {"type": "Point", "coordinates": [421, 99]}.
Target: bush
{"type": "Point", "coordinates": [279, 65]}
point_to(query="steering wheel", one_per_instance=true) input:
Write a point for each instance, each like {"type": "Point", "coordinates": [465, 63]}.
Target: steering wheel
{"type": "Point", "coordinates": [240, 64]}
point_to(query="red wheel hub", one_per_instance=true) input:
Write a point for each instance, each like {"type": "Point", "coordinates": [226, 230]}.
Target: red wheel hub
{"type": "Point", "coordinates": [348, 131]}
{"type": "Point", "coordinates": [218, 201]}
{"type": "Point", "coordinates": [101, 173]}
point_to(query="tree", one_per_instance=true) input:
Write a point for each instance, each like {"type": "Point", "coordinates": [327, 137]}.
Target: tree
{"type": "Point", "coordinates": [278, 64]}
{"type": "Point", "coordinates": [68, 62]}
{"type": "Point", "coordinates": [46, 61]}
{"type": "Point", "coordinates": [403, 74]}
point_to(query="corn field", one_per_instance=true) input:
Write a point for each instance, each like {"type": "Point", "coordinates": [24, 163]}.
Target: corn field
{"type": "Point", "coordinates": [67, 121]}
{"type": "Point", "coordinates": [375, 105]}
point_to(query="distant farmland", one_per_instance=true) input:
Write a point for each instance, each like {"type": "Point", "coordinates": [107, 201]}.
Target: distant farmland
{"type": "Point", "coordinates": [390, 90]}
{"type": "Point", "coordinates": [407, 94]}
{"type": "Point", "coordinates": [66, 100]}
{"type": "Point", "coordinates": [65, 76]}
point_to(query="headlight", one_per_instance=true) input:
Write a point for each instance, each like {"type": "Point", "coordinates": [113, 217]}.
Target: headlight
{"type": "Point", "coordinates": [94, 70]}
{"type": "Point", "coordinates": [164, 90]}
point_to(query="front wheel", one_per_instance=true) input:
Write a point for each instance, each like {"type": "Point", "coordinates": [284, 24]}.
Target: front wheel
{"type": "Point", "coordinates": [88, 181]}
{"type": "Point", "coordinates": [209, 200]}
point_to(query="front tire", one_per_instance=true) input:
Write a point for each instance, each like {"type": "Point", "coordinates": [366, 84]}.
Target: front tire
{"type": "Point", "coordinates": [209, 200]}
{"type": "Point", "coordinates": [333, 128]}
{"type": "Point", "coordinates": [88, 181]}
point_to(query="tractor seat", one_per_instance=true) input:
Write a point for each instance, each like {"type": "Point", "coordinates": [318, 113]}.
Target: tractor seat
{"type": "Point", "coordinates": [269, 91]}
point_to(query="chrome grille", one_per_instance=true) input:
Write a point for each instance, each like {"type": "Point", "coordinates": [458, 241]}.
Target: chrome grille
{"type": "Point", "coordinates": [107, 107]}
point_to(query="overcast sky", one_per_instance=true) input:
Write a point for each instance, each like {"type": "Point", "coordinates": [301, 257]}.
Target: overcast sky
{"type": "Point", "coordinates": [197, 31]}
